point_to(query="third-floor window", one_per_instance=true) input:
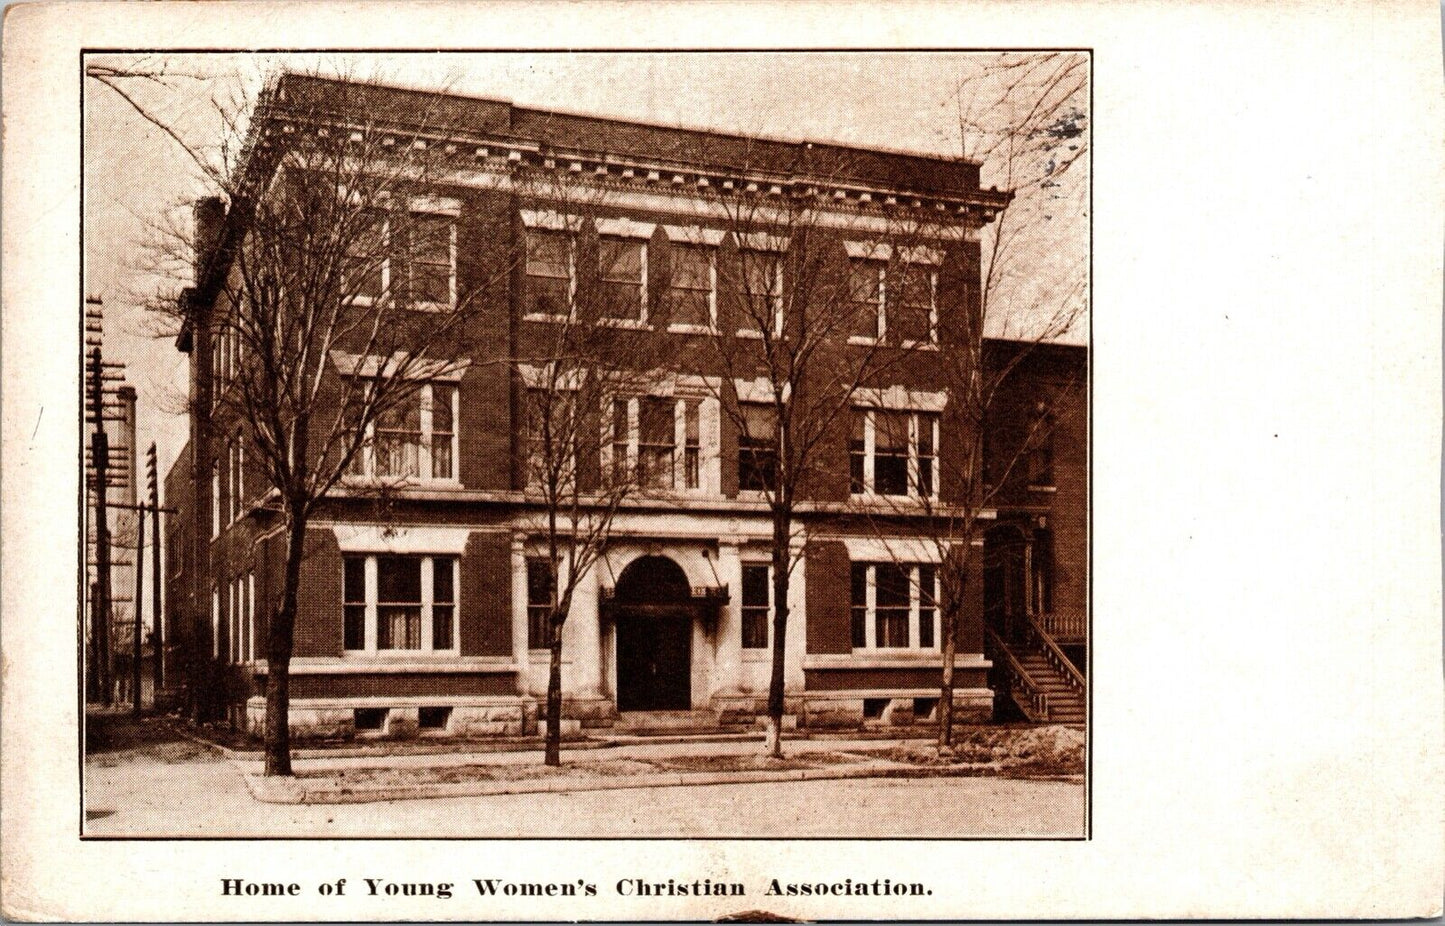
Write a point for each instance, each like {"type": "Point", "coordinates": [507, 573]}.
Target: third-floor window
{"type": "Point", "coordinates": [622, 279]}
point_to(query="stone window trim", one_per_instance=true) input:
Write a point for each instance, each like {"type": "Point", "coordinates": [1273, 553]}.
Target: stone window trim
{"type": "Point", "coordinates": [431, 601]}
{"type": "Point", "coordinates": [435, 446]}
{"type": "Point", "coordinates": [539, 224]}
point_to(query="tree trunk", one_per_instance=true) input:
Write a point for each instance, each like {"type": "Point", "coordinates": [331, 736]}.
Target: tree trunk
{"type": "Point", "coordinates": [781, 523]}
{"type": "Point", "coordinates": [945, 694]}
{"type": "Point", "coordinates": [553, 753]}
{"type": "Point", "coordinates": [280, 635]}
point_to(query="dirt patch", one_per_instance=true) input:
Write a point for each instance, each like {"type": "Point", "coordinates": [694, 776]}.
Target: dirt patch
{"type": "Point", "coordinates": [754, 763]}
{"type": "Point", "coordinates": [1047, 751]}
{"type": "Point", "coordinates": [451, 774]}
{"type": "Point", "coordinates": [111, 739]}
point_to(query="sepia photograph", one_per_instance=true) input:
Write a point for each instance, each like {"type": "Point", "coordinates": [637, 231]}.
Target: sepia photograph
{"type": "Point", "coordinates": [607, 444]}
{"type": "Point", "coordinates": [721, 462]}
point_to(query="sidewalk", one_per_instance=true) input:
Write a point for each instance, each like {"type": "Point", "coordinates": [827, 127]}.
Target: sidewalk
{"type": "Point", "coordinates": [594, 766]}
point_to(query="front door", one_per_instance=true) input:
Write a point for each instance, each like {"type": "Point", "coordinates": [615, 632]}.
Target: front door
{"type": "Point", "coordinates": [654, 661]}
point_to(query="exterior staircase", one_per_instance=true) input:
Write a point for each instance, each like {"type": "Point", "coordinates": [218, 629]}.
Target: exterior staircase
{"type": "Point", "coordinates": [1036, 674]}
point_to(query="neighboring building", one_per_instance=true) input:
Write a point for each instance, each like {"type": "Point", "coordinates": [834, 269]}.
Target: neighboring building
{"type": "Point", "coordinates": [425, 616]}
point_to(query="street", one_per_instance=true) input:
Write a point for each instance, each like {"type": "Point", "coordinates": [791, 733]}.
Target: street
{"type": "Point", "coordinates": [202, 795]}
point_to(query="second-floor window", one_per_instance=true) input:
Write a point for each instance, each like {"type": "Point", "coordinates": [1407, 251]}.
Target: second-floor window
{"type": "Point", "coordinates": [414, 438]}
{"type": "Point", "coordinates": [551, 258]}
{"type": "Point", "coordinates": [622, 278]}
{"type": "Point", "coordinates": [393, 603]}
{"type": "Point", "coordinates": [549, 438]}
{"type": "Point", "coordinates": [757, 447]}
{"type": "Point", "coordinates": [894, 606]}
{"type": "Point", "coordinates": [657, 441]}
{"type": "Point", "coordinates": [892, 452]}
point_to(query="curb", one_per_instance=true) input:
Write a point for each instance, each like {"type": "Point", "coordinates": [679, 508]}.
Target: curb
{"type": "Point", "coordinates": [292, 791]}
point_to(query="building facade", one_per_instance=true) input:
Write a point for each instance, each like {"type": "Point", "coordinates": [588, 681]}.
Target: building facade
{"type": "Point", "coordinates": [423, 606]}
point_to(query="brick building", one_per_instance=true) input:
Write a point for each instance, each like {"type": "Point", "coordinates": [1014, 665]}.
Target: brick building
{"type": "Point", "coordinates": [421, 614]}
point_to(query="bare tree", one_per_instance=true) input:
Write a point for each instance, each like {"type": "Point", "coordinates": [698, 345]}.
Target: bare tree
{"type": "Point", "coordinates": [329, 300]}
{"type": "Point", "coordinates": [584, 350]}
{"type": "Point", "coordinates": [796, 343]}
{"type": "Point", "coordinates": [1024, 117]}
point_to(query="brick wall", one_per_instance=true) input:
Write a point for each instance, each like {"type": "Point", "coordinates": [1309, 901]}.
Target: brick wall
{"type": "Point", "coordinates": [486, 618]}
{"type": "Point", "coordinates": [828, 605]}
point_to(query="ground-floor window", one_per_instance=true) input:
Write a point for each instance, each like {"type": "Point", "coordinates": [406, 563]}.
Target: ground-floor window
{"type": "Point", "coordinates": [894, 606]}
{"type": "Point", "coordinates": [398, 603]}
{"type": "Point", "coordinates": [539, 603]}
{"type": "Point", "coordinates": [757, 604]}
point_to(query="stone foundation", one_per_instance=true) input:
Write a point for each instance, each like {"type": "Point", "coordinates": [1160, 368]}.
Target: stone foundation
{"type": "Point", "coordinates": [839, 710]}
{"type": "Point", "coordinates": [401, 718]}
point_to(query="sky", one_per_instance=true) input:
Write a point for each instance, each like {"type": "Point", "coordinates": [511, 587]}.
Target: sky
{"type": "Point", "coordinates": [137, 177]}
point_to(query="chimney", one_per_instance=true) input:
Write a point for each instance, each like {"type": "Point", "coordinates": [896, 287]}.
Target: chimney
{"type": "Point", "coordinates": [209, 214]}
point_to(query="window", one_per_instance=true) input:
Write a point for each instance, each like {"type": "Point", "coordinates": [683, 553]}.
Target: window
{"type": "Point", "coordinates": [656, 441]}
{"type": "Point", "coordinates": [893, 453]}
{"type": "Point", "coordinates": [1039, 457]}
{"type": "Point", "coordinates": [690, 411]}
{"type": "Point", "coordinates": [757, 605]}
{"type": "Point", "coordinates": [865, 289]}
{"type": "Point", "coordinates": [549, 286]}
{"type": "Point", "coordinates": [549, 438]}
{"type": "Point", "coordinates": [894, 606]}
{"type": "Point", "coordinates": [757, 447]}
{"type": "Point", "coordinates": [762, 290]}
{"type": "Point", "coordinates": [539, 603]}
{"type": "Point", "coordinates": [912, 317]}
{"type": "Point", "coordinates": [1041, 571]}
{"type": "Point", "coordinates": [692, 296]}
{"type": "Point", "coordinates": [425, 248]}
{"type": "Point", "coordinates": [413, 438]}
{"type": "Point", "coordinates": [366, 258]}
{"type": "Point", "coordinates": [399, 603]}
{"type": "Point", "coordinates": [622, 274]}
{"type": "Point", "coordinates": [215, 498]}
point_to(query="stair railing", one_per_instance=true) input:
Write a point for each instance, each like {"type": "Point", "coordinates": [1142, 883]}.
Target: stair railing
{"type": "Point", "coordinates": [1020, 682]}
{"type": "Point", "coordinates": [1038, 636]}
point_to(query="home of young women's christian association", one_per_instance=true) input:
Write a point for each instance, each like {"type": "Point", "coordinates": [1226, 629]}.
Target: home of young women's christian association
{"type": "Point", "coordinates": [425, 585]}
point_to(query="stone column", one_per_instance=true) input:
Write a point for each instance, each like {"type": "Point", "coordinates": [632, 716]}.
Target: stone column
{"type": "Point", "coordinates": [519, 615]}
{"type": "Point", "coordinates": [586, 641]}
{"type": "Point", "coordinates": [728, 658]}
{"type": "Point", "coordinates": [797, 644]}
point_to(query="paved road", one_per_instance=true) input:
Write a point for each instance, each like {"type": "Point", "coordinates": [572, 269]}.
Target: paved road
{"type": "Point", "coordinates": [199, 794]}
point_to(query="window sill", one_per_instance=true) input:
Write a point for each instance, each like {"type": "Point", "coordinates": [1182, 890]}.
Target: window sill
{"type": "Point", "coordinates": [435, 307]}
{"type": "Point", "coordinates": [861, 340]}
{"type": "Point", "coordinates": [398, 482]}
{"type": "Point", "coordinates": [919, 345]}
{"type": "Point", "coordinates": [545, 317]}
{"type": "Point", "coordinates": [412, 661]}
{"type": "Point", "coordinates": [1047, 489]}
{"type": "Point", "coordinates": [750, 334]}
{"type": "Point", "coordinates": [686, 328]}
{"type": "Point", "coordinates": [877, 498]}
{"type": "Point", "coordinates": [630, 324]}
{"type": "Point", "coordinates": [893, 659]}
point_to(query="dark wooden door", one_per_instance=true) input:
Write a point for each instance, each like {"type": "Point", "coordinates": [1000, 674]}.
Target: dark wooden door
{"type": "Point", "coordinates": [654, 662]}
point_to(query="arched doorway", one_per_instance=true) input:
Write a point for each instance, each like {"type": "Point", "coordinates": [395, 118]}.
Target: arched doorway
{"type": "Point", "coordinates": [653, 609]}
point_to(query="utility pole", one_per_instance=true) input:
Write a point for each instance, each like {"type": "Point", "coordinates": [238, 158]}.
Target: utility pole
{"type": "Point", "coordinates": [140, 561]}
{"type": "Point", "coordinates": [158, 635]}
{"type": "Point", "coordinates": [100, 459]}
